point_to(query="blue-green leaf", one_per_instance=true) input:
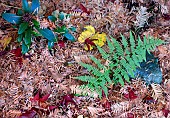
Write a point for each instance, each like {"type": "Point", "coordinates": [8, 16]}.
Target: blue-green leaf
{"type": "Point", "coordinates": [52, 18]}
{"type": "Point", "coordinates": [47, 34]}
{"type": "Point", "coordinates": [61, 16]}
{"type": "Point", "coordinates": [12, 18]}
{"type": "Point", "coordinates": [27, 38]}
{"type": "Point", "coordinates": [25, 48]}
{"type": "Point", "coordinates": [35, 6]}
{"type": "Point", "coordinates": [73, 29]}
{"type": "Point", "coordinates": [19, 39]}
{"type": "Point", "coordinates": [22, 27]}
{"type": "Point", "coordinates": [25, 6]}
{"type": "Point", "coordinates": [50, 45]}
{"type": "Point", "coordinates": [69, 36]}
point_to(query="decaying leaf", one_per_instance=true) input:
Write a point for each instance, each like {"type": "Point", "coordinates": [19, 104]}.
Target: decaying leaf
{"type": "Point", "coordinates": [82, 58]}
{"type": "Point", "coordinates": [5, 41]}
{"type": "Point", "coordinates": [157, 92]}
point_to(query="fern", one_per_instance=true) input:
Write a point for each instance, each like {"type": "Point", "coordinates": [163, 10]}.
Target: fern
{"type": "Point", "coordinates": [123, 58]}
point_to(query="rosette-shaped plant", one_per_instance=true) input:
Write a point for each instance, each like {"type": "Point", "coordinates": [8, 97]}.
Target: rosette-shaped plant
{"type": "Point", "coordinates": [91, 38]}
{"type": "Point", "coordinates": [25, 21]}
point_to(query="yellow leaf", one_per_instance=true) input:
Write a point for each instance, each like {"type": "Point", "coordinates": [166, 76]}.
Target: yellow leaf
{"type": "Point", "coordinates": [101, 39]}
{"type": "Point", "coordinates": [89, 31]}
{"type": "Point", "coordinates": [4, 42]}
{"type": "Point", "coordinates": [98, 39]}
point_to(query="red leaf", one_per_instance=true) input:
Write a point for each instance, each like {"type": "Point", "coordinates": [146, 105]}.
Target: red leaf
{"type": "Point", "coordinates": [37, 96]}
{"type": "Point", "coordinates": [68, 99]}
{"type": "Point", "coordinates": [84, 9]}
{"type": "Point", "coordinates": [130, 115]}
{"type": "Point", "coordinates": [61, 44]}
{"type": "Point", "coordinates": [17, 52]}
{"type": "Point", "coordinates": [131, 95]}
{"type": "Point", "coordinates": [166, 16]}
{"type": "Point", "coordinates": [44, 98]}
{"type": "Point", "coordinates": [106, 104]}
{"type": "Point", "coordinates": [165, 112]}
{"type": "Point", "coordinates": [18, 55]}
{"type": "Point", "coordinates": [52, 107]}
{"type": "Point", "coordinates": [28, 114]}
{"type": "Point", "coordinates": [148, 99]}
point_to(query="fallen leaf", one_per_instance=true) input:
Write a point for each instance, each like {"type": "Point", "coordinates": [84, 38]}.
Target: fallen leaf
{"type": "Point", "coordinates": [5, 41]}
{"type": "Point", "coordinates": [68, 99]}
{"type": "Point", "coordinates": [165, 112]}
{"type": "Point", "coordinates": [163, 49]}
{"type": "Point", "coordinates": [84, 9]}
{"type": "Point", "coordinates": [28, 114]}
{"type": "Point", "coordinates": [40, 99]}
{"type": "Point", "coordinates": [130, 115]}
{"type": "Point", "coordinates": [94, 111]}
{"type": "Point", "coordinates": [61, 44]}
{"type": "Point", "coordinates": [130, 95]}
{"type": "Point", "coordinates": [82, 58]}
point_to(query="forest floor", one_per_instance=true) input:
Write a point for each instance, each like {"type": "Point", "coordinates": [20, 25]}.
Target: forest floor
{"type": "Point", "coordinates": [51, 73]}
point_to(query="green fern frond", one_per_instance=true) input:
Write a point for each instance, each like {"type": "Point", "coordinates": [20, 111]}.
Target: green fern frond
{"type": "Point", "coordinates": [122, 60]}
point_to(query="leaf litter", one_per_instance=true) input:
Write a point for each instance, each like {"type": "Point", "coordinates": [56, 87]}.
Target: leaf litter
{"type": "Point", "coordinates": [41, 84]}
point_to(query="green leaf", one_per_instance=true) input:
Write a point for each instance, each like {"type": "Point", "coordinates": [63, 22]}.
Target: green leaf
{"type": "Point", "coordinates": [47, 34]}
{"type": "Point", "coordinates": [22, 27]}
{"type": "Point", "coordinates": [52, 18]}
{"type": "Point", "coordinates": [12, 18]}
{"type": "Point", "coordinates": [121, 80]}
{"type": "Point", "coordinates": [124, 42]}
{"type": "Point", "coordinates": [61, 30]}
{"type": "Point", "coordinates": [19, 39]}
{"type": "Point", "coordinates": [102, 52]}
{"type": "Point", "coordinates": [105, 89]}
{"type": "Point", "coordinates": [27, 38]}
{"type": "Point", "coordinates": [35, 6]}
{"type": "Point", "coordinates": [50, 45]}
{"type": "Point", "coordinates": [25, 6]}
{"type": "Point", "coordinates": [20, 12]}
{"type": "Point", "coordinates": [132, 41]}
{"type": "Point", "coordinates": [25, 48]}
{"type": "Point", "coordinates": [36, 23]}
{"type": "Point", "coordinates": [69, 36]}
{"type": "Point", "coordinates": [110, 45]}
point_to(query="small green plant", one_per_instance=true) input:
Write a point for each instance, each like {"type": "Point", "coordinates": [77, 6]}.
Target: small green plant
{"type": "Point", "coordinates": [61, 20]}
{"type": "Point", "coordinates": [25, 21]}
{"type": "Point", "coordinates": [121, 62]}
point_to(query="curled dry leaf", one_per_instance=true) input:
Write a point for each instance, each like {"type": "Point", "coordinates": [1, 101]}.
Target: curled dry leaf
{"type": "Point", "coordinates": [82, 58]}
{"type": "Point", "coordinates": [121, 107]}
{"type": "Point", "coordinates": [157, 92]}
